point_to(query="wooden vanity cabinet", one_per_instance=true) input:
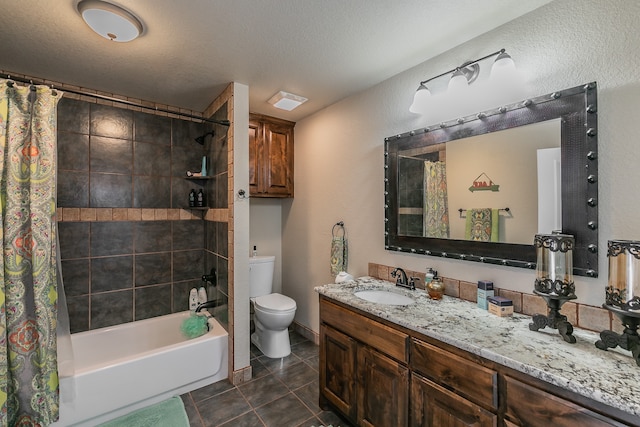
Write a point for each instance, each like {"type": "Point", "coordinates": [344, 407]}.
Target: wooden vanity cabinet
{"type": "Point", "coordinates": [448, 390]}
{"type": "Point", "coordinates": [435, 406]}
{"type": "Point", "coordinates": [363, 368]}
{"type": "Point", "coordinates": [338, 370]}
{"type": "Point", "coordinates": [382, 390]}
{"type": "Point", "coordinates": [528, 406]}
{"type": "Point", "coordinates": [270, 156]}
{"type": "Point", "coordinates": [380, 374]}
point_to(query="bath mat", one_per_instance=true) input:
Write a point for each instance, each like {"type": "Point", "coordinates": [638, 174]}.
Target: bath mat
{"type": "Point", "coordinates": [169, 413]}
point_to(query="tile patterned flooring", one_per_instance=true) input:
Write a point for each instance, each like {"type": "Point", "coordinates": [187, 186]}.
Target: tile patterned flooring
{"type": "Point", "coordinates": [283, 392]}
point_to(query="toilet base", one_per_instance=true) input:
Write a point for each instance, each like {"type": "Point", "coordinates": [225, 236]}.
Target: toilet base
{"type": "Point", "coordinates": [273, 344]}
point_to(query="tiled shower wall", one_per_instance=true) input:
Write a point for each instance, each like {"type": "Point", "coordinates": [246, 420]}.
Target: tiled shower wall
{"type": "Point", "coordinates": [130, 248]}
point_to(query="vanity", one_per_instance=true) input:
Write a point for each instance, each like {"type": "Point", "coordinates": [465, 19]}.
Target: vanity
{"type": "Point", "coordinates": [449, 363]}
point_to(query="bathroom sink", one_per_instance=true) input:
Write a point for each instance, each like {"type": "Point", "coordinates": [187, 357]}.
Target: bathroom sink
{"type": "Point", "coordinates": [384, 297]}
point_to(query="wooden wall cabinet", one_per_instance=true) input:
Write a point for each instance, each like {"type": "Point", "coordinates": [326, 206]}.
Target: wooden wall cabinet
{"type": "Point", "coordinates": [376, 373]}
{"type": "Point", "coordinates": [270, 156]}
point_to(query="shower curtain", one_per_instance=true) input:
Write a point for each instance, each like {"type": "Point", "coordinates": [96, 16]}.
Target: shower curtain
{"type": "Point", "coordinates": [29, 288]}
{"type": "Point", "coordinates": [436, 211]}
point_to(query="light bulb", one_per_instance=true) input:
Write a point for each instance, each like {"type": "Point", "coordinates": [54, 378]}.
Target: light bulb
{"type": "Point", "coordinates": [420, 100]}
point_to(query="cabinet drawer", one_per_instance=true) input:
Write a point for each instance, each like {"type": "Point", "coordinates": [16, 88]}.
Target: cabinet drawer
{"type": "Point", "coordinates": [435, 406]}
{"type": "Point", "coordinates": [473, 381]}
{"type": "Point", "coordinates": [529, 406]}
{"type": "Point", "coordinates": [381, 337]}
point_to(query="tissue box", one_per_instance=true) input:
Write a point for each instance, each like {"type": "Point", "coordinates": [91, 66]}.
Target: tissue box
{"type": "Point", "coordinates": [485, 289]}
{"type": "Point", "coordinates": [500, 306]}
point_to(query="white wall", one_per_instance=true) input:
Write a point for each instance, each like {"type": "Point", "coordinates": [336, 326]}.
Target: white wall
{"type": "Point", "coordinates": [339, 151]}
{"type": "Point", "coordinates": [240, 296]}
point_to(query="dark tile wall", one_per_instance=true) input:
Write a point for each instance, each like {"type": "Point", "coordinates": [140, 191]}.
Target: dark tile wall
{"type": "Point", "coordinates": [115, 158]}
{"type": "Point", "coordinates": [119, 271]}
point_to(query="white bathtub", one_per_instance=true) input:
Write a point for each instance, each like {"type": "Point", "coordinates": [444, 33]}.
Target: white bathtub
{"type": "Point", "coordinates": [126, 367]}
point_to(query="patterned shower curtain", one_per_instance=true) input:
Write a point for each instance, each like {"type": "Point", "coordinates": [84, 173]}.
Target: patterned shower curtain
{"type": "Point", "coordinates": [28, 289]}
{"type": "Point", "coordinates": [436, 211]}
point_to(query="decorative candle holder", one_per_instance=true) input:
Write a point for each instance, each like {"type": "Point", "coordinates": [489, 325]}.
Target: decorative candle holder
{"type": "Point", "coordinates": [554, 281]}
{"type": "Point", "coordinates": [623, 296]}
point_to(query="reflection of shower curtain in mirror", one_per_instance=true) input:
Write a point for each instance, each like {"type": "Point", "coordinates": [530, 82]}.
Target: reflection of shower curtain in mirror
{"type": "Point", "coordinates": [436, 211]}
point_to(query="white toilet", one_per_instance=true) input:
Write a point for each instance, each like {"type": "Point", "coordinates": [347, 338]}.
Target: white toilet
{"type": "Point", "coordinates": [273, 312]}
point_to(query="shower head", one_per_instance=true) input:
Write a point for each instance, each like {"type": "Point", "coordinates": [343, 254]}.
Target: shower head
{"type": "Point", "coordinates": [200, 139]}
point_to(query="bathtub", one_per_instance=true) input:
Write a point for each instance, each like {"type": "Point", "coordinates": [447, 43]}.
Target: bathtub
{"type": "Point", "coordinates": [126, 367]}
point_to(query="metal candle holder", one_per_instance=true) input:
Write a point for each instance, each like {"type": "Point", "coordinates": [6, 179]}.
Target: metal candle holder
{"type": "Point", "coordinates": [554, 281]}
{"type": "Point", "coordinates": [623, 296]}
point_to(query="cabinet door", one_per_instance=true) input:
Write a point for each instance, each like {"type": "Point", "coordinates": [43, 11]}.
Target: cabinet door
{"type": "Point", "coordinates": [255, 154]}
{"type": "Point", "coordinates": [382, 390]}
{"type": "Point", "coordinates": [278, 152]}
{"type": "Point", "coordinates": [528, 406]}
{"type": "Point", "coordinates": [338, 370]}
{"type": "Point", "coordinates": [435, 406]}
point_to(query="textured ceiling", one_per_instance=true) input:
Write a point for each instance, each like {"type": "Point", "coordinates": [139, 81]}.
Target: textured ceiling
{"type": "Point", "coordinates": [324, 50]}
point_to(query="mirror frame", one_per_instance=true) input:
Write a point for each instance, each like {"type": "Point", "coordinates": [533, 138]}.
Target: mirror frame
{"type": "Point", "coordinates": [577, 109]}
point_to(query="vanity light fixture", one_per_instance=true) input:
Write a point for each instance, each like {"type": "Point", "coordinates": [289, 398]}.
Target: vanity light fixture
{"type": "Point", "coordinates": [554, 281]}
{"type": "Point", "coordinates": [110, 21]}
{"type": "Point", "coordinates": [623, 296]}
{"type": "Point", "coordinates": [461, 77]}
{"type": "Point", "coordinates": [286, 101]}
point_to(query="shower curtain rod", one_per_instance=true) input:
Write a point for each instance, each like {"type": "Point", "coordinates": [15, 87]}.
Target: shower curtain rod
{"type": "Point", "coordinates": [120, 101]}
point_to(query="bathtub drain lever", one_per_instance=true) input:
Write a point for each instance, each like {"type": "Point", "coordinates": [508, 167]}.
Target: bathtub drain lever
{"type": "Point", "coordinates": [210, 278]}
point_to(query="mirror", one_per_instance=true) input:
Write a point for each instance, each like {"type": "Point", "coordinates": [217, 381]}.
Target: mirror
{"type": "Point", "coordinates": [480, 187]}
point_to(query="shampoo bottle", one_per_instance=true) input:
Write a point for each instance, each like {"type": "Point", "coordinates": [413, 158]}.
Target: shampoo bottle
{"type": "Point", "coordinates": [202, 295]}
{"type": "Point", "coordinates": [200, 199]}
{"type": "Point", "coordinates": [203, 171]}
{"type": "Point", "coordinates": [193, 300]}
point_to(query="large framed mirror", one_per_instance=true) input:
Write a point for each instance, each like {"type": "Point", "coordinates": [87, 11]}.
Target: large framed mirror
{"type": "Point", "coordinates": [480, 187]}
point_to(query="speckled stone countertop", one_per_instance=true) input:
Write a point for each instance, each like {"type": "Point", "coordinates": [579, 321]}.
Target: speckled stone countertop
{"type": "Point", "coordinates": [611, 377]}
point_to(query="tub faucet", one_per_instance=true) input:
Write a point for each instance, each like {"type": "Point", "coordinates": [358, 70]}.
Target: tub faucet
{"type": "Point", "coordinates": [401, 279]}
{"type": "Point", "coordinates": [208, 304]}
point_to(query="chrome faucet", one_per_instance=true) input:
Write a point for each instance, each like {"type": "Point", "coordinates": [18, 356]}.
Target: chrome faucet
{"type": "Point", "coordinates": [401, 279]}
{"type": "Point", "coordinates": [208, 304]}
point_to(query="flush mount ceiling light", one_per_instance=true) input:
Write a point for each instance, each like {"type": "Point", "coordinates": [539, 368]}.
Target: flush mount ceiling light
{"type": "Point", "coordinates": [110, 21]}
{"type": "Point", "coordinates": [286, 101]}
{"type": "Point", "coordinates": [461, 77]}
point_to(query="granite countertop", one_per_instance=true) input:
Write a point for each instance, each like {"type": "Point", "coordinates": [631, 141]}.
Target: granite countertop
{"type": "Point", "coordinates": [611, 377]}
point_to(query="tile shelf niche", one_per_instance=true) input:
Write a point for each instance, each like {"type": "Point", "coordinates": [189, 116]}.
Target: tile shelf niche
{"type": "Point", "coordinates": [199, 178]}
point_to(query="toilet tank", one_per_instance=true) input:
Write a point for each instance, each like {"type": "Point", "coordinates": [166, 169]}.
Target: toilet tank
{"type": "Point", "coordinates": [261, 275]}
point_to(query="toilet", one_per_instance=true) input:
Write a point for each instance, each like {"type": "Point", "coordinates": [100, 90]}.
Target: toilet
{"type": "Point", "coordinates": [273, 312]}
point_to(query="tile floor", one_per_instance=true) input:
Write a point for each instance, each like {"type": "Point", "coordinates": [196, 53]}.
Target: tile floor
{"type": "Point", "coordinates": [283, 392]}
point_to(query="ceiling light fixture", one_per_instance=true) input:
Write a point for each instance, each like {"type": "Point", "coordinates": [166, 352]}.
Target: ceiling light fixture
{"type": "Point", "coordinates": [110, 21]}
{"type": "Point", "coordinates": [461, 77]}
{"type": "Point", "coordinates": [286, 101]}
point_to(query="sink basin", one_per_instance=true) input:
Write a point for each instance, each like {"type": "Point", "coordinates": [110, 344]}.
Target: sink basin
{"type": "Point", "coordinates": [384, 297]}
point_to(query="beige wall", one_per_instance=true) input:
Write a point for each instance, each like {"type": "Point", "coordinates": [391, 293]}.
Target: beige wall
{"type": "Point", "coordinates": [339, 151]}
{"type": "Point", "coordinates": [509, 159]}
{"type": "Point", "coordinates": [265, 233]}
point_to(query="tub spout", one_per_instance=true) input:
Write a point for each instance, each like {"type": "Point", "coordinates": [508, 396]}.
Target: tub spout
{"type": "Point", "coordinates": [208, 304]}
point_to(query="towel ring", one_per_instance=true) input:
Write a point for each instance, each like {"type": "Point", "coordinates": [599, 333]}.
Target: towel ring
{"type": "Point", "coordinates": [341, 225]}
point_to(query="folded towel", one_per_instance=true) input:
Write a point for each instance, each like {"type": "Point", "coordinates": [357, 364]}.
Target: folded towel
{"type": "Point", "coordinates": [338, 255]}
{"type": "Point", "coordinates": [482, 225]}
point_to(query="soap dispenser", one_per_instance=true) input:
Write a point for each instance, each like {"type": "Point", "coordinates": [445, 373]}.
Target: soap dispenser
{"type": "Point", "coordinates": [436, 286]}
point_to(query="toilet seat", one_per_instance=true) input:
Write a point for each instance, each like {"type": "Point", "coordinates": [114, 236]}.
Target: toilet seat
{"type": "Point", "coordinates": [275, 303]}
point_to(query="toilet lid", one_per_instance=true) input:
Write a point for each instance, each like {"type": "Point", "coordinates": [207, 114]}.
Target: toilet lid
{"type": "Point", "coordinates": [275, 302]}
